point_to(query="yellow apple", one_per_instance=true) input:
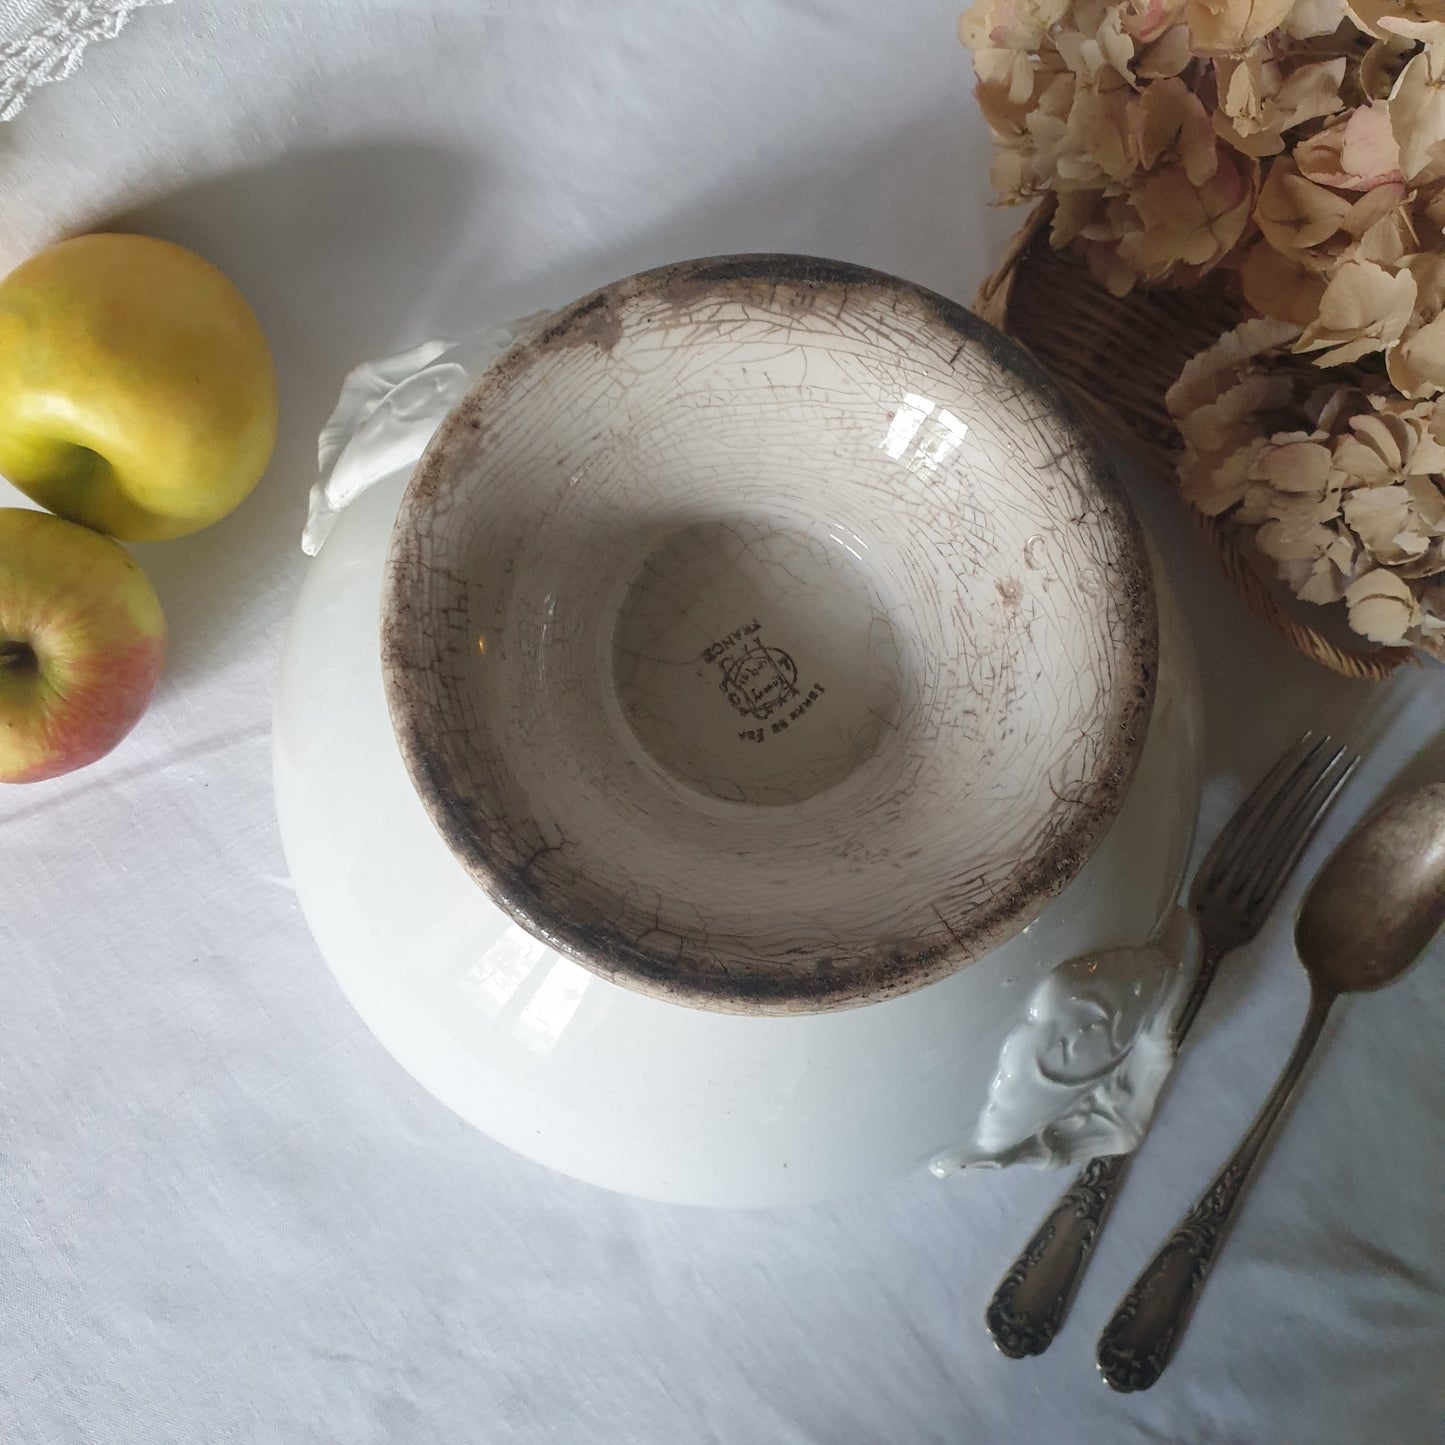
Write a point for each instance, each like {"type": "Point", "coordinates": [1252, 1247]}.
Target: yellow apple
{"type": "Point", "coordinates": [82, 643]}
{"type": "Point", "coordinates": [137, 394]}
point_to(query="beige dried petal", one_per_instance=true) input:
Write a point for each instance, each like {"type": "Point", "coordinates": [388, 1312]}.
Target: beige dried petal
{"type": "Point", "coordinates": [1243, 86]}
{"type": "Point", "coordinates": [975, 23]}
{"type": "Point", "coordinates": [1362, 463]}
{"type": "Point", "coordinates": [1308, 19]}
{"type": "Point", "coordinates": [1426, 454]}
{"type": "Point", "coordinates": [1006, 80]}
{"type": "Point", "coordinates": [1427, 634]}
{"type": "Point", "coordinates": [1381, 606]}
{"type": "Point", "coordinates": [1407, 547]}
{"type": "Point", "coordinates": [1166, 56]}
{"type": "Point", "coordinates": [1148, 20]}
{"type": "Point", "coordinates": [1294, 213]}
{"type": "Point", "coordinates": [1293, 541]}
{"type": "Point", "coordinates": [1215, 482]}
{"type": "Point", "coordinates": [1324, 582]}
{"type": "Point", "coordinates": [1261, 100]}
{"type": "Point", "coordinates": [1096, 139]}
{"type": "Point", "coordinates": [1430, 33]}
{"type": "Point", "coordinates": [1378, 515]}
{"type": "Point", "coordinates": [1428, 503]}
{"type": "Point", "coordinates": [1417, 364]}
{"type": "Point", "coordinates": [1010, 24]}
{"type": "Point", "coordinates": [1276, 285]}
{"type": "Point", "coordinates": [1430, 563]}
{"type": "Point", "coordinates": [1205, 377]}
{"type": "Point", "coordinates": [1344, 553]}
{"type": "Point", "coordinates": [1117, 47]}
{"type": "Point", "coordinates": [1171, 124]}
{"type": "Point", "coordinates": [1371, 153]}
{"type": "Point", "coordinates": [1106, 51]}
{"type": "Point", "coordinates": [1184, 225]}
{"type": "Point", "coordinates": [1375, 207]}
{"type": "Point", "coordinates": [1330, 407]}
{"type": "Point", "coordinates": [1011, 176]}
{"type": "Point", "coordinates": [1073, 213]}
{"type": "Point", "coordinates": [1367, 14]}
{"type": "Point", "coordinates": [1364, 309]}
{"type": "Point", "coordinates": [1356, 153]}
{"type": "Point", "coordinates": [1109, 268]}
{"type": "Point", "coordinates": [1295, 466]}
{"type": "Point", "coordinates": [1262, 504]}
{"type": "Point", "coordinates": [1428, 269]}
{"type": "Point", "coordinates": [1346, 352]}
{"type": "Point", "coordinates": [1417, 115]}
{"type": "Point", "coordinates": [1388, 241]}
{"type": "Point", "coordinates": [1389, 442]}
{"type": "Point", "coordinates": [1217, 425]}
{"type": "Point", "coordinates": [1227, 27]}
{"type": "Point", "coordinates": [1428, 457]}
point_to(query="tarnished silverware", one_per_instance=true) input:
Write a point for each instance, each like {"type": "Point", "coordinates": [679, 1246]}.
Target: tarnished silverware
{"type": "Point", "coordinates": [1368, 915]}
{"type": "Point", "coordinates": [1237, 885]}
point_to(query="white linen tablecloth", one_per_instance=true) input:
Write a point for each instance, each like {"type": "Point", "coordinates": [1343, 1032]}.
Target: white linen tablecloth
{"type": "Point", "coordinates": [225, 1214]}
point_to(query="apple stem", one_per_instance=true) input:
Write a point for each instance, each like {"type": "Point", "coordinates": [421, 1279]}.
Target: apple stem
{"type": "Point", "coordinates": [16, 654]}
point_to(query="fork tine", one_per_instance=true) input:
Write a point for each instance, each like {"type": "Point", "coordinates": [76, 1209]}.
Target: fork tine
{"type": "Point", "coordinates": [1277, 829]}
{"type": "Point", "coordinates": [1290, 806]}
{"type": "Point", "coordinates": [1244, 825]}
{"type": "Point", "coordinates": [1322, 797]}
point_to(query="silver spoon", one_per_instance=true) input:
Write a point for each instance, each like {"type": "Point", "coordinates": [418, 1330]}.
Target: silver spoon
{"type": "Point", "coordinates": [1368, 915]}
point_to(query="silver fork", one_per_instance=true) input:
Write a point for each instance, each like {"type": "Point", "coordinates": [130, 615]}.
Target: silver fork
{"type": "Point", "coordinates": [1237, 885]}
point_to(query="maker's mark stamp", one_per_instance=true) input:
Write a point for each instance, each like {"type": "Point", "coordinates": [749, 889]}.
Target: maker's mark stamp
{"type": "Point", "coordinates": [759, 681]}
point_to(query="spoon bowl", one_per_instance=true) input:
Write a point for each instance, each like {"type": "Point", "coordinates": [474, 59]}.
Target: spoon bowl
{"type": "Point", "coordinates": [1380, 899]}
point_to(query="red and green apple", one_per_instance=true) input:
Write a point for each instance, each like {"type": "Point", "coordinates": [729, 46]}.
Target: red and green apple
{"type": "Point", "coordinates": [82, 644]}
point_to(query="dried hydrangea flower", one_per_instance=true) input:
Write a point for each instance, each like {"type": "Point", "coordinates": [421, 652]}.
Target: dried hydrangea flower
{"type": "Point", "coordinates": [1301, 145]}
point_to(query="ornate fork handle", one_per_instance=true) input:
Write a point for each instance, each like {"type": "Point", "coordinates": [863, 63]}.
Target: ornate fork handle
{"type": "Point", "coordinates": [1140, 1338]}
{"type": "Point", "coordinates": [1033, 1298]}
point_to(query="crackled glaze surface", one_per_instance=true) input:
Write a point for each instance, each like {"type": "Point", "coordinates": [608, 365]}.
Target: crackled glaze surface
{"type": "Point", "coordinates": [763, 633]}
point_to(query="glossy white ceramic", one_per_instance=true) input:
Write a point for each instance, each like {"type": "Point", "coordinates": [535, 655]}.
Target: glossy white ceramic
{"type": "Point", "coordinates": [602, 1082]}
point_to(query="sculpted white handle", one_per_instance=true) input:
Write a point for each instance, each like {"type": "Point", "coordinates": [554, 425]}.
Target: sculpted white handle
{"type": "Point", "coordinates": [387, 412]}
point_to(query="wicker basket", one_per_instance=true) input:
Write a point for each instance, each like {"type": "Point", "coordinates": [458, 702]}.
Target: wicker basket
{"type": "Point", "coordinates": [1117, 357]}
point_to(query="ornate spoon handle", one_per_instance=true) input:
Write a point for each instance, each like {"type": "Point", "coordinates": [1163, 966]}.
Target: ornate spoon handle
{"type": "Point", "coordinates": [1033, 1298]}
{"type": "Point", "coordinates": [1139, 1340]}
